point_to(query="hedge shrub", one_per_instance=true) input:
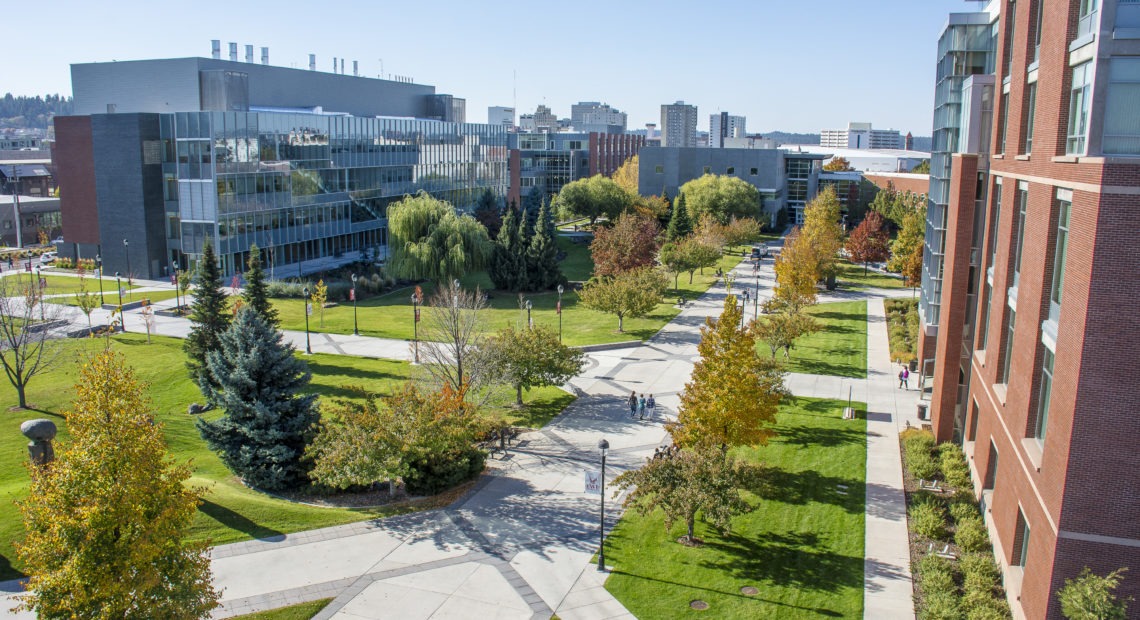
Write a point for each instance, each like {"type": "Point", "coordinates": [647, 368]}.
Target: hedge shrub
{"type": "Point", "coordinates": [971, 535]}
{"type": "Point", "coordinates": [954, 468]}
{"type": "Point", "coordinates": [918, 447]}
{"type": "Point", "coordinates": [928, 519]}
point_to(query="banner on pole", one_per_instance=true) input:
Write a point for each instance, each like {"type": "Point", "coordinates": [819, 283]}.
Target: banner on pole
{"type": "Point", "coordinates": [558, 307]}
{"type": "Point", "coordinates": [309, 309]}
{"type": "Point", "coordinates": [352, 294]}
{"type": "Point", "coordinates": [594, 482]}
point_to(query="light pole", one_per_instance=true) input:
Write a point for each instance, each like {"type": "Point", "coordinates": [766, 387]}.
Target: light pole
{"type": "Point", "coordinates": [559, 314]}
{"type": "Point", "coordinates": [529, 322]}
{"type": "Point", "coordinates": [355, 325]}
{"type": "Point", "coordinates": [126, 249]}
{"type": "Point", "coordinates": [416, 327]}
{"type": "Point", "coordinates": [40, 287]}
{"type": "Point", "coordinates": [756, 301]}
{"type": "Point", "coordinates": [99, 276]}
{"type": "Point", "coordinates": [119, 285]}
{"type": "Point", "coordinates": [177, 290]}
{"type": "Point", "coordinates": [308, 345]}
{"type": "Point", "coordinates": [604, 446]}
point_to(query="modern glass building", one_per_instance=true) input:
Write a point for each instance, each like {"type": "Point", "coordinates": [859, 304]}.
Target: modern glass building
{"type": "Point", "coordinates": [305, 187]}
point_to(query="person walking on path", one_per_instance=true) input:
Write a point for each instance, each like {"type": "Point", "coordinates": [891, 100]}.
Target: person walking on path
{"type": "Point", "coordinates": [651, 405]}
{"type": "Point", "coordinates": [641, 407]}
{"type": "Point", "coordinates": [901, 378]}
{"type": "Point", "coordinates": [906, 378]}
{"type": "Point", "coordinates": [632, 404]}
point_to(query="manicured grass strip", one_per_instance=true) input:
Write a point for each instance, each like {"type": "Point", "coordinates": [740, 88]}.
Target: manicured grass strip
{"type": "Point", "coordinates": [851, 276]}
{"type": "Point", "coordinates": [577, 266]}
{"type": "Point", "coordinates": [390, 315]}
{"type": "Point", "coordinates": [303, 611]}
{"type": "Point", "coordinates": [840, 349]}
{"type": "Point", "coordinates": [58, 285]}
{"type": "Point", "coordinates": [802, 547]}
{"type": "Point", "coordinates": [111, 296]}
{"type": "Point", "coordinates": [231, 512]}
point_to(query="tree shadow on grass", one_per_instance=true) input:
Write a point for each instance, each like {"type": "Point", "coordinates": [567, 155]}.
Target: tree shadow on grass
{"type": "Point", "coordinates": [7, 571]}
{"type": "Point", "coordinates": [801, 487]}
{"type": "Point", "coordinates": [824, 367]}
{"type": "Point", "coordinates": [815, 436]}
{"type": "Point", "coordinates": [796, 559]}
{"type": "Point", "coordinates": [830, 613]}
{"type": "Point", "coordinates": [239, 522]}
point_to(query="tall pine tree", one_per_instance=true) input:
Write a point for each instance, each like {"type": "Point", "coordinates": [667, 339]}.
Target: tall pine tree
{"type": "Point", "coordinates": [543, 271]}
{"type": "Point", "coordinates": [680, 225]}
{"type": "Point", "coordinates": [267, 422]}
{"type": "Point", "coordinates": [508, 262]}
{"type": "Point", "coordinates": [209, 317]}
{"type": "Point", "coordinates": [256, 295]}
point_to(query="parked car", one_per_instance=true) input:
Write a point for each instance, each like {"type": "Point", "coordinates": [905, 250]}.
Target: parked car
{"type": "Point", "coordinates": [760, 251]}
{"type": "Point", "coordinates": [48, 257]}
{"type": "Point", "coordinates": [57, 240]}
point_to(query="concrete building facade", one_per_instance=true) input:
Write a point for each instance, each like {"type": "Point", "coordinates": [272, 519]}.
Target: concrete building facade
{"type": "Point", "coordinates": [1035, 372]}
{"type": "Point", "coordinates": [724, 126]}
{"type": "Point", "coordinates": [596, 117]}
{"type": "Point", "coordinates": [861, 136]}
{"type": "Point", "coordinates": [499, 115]}
{"type": "Point", "coordinates": [238, 166]}
{"type": "Point", "coordinates": [678, 125]}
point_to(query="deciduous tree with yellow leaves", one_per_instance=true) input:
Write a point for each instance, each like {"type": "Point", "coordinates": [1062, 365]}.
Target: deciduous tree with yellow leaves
{"type": "Point", "coordinates": [107, 520]}
{"type": "Point", "coordinates": [732, 395]}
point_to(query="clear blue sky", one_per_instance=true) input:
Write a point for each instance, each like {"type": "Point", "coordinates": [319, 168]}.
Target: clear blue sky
{"type": "Point", "coordinates": [795, 66]}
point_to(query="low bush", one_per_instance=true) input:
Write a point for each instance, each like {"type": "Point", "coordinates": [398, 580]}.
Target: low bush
{"type": "Point", "coordinates": [941, 606]}
{"type": "Point", "coordinates": [918, 447]}
{"type": "Point", "coordinates": [971, 535]}
{"type": "Point", "coordinates": [928, 519]}
{"type": "Point", "coordinates": [952, 461]}
{"type": "Point", "coordinates": [982, 607]}
{"type": "Point", "coordinates": [439, 472]}
{"type": "Point", "coordinates": [963, 510]}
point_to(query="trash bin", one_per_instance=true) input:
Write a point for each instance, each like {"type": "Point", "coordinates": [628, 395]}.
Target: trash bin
{"type": "Point", "coordinates": [922, 410]}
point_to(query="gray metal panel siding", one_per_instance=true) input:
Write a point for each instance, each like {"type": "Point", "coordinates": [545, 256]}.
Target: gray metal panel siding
{"type": "Point", "coordinates": [129, 193]}
{"type": "Point", "coordinates": [169, 85]}
{"type": "Point", "coordinates": [681, 165]}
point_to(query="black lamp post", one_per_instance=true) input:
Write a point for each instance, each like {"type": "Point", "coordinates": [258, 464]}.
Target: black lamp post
{"type": "Point", "coordinates": [756, 302]}
{"type": "Point", "coordinates": [308, 345]}
{"type": "Point", "coordinates": [560, 313]}
{"type": "Point", "coordinates": [529, 322]}
{"type": "Point", "coordinates": [40, 287]}
{"type": "Point", "coordinates": [177, 289]}
{"type": "Point", "coordinates": [355, 325]}
{"type": "Point", "coordinates": [126, 249]}
{"type": "Point", "coordinates": [416, 328]}
{"type": "Point", "coordinates": [99, 264]}
{"type": "Point", "coordinates": [604, 446]}
{"type": "Point", "coordinates": [119, 285]}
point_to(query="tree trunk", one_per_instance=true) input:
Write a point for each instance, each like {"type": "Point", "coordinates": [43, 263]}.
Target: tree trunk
{"type": "Point", "coordinates": [518, 395]}
{"type": "Point", "coordinates": [690, 522]}
{"type": "Point", "coordinates": [621, 328]}
{"type": "Point", "coordinates": [691, 277]}
{"type": "Point", "coordinates": [20, 393]}
{"type": "Point", "coordinates": [864, 269]}
{"type": "Point", "coordinates": [676, 279]}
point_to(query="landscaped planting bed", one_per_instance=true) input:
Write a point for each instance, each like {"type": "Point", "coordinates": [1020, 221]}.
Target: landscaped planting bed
{"type": "Point", "coordinates": [951, 556]}
{"type": "Point", "coordinates": [902, 328]}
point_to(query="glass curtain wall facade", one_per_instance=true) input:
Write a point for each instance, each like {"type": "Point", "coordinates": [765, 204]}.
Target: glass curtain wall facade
{"type": "Point", "coordinates": [966, 48]}
{"type": "Point", "coordinates": [798, 174]}
{"type": "Point", "coordinates": [305, 186]}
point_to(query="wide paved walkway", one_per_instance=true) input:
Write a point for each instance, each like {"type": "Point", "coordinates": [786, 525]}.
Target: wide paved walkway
{"type": "Point", "coordinates": [519, 544]}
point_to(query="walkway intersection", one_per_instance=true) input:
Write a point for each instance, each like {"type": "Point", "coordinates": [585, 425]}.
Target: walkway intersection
{"type": "Point", "coordinates": [520, 543]}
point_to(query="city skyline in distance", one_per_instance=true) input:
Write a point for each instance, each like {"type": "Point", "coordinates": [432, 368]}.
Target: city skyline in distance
{"type": "Point", "coordinates": [792, 68]}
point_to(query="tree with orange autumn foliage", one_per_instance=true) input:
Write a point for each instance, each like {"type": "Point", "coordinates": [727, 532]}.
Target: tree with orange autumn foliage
{"type": "Point", "coordinates": [732, 395]}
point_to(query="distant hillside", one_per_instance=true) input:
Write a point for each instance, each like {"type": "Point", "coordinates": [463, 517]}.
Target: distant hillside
{"type": "Point", "coordinates": [32, 112]}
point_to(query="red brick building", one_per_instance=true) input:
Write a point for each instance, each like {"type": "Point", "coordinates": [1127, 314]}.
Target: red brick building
{"type": "Point", "coordinates": [1035, 349]}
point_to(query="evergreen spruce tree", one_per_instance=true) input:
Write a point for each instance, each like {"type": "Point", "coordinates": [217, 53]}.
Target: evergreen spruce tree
{"type": "Point", "coordinates": [256, 295]}
{"type": "Point", "coordinates": [531, 205]}
{"type": "Point", "coordinates": [267, 422]}
{"type": "Point", "coordinates": [209, 317]}
{"type": "Point", "coordinates": [543, 271]}
{"type": "Point", "coordinates": [667, 216]}
{"type": "Point", "coordinates": [680, 225]}
{"type": "Point", "coordinates": [508, 262]}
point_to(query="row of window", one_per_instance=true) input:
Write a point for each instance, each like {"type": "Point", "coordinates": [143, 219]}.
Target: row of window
{"type": "Point", "coordinates": [1062, 212]}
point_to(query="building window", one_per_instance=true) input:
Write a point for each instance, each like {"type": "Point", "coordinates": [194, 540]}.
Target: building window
{"type": "Point", "coordinates": [1065, 208]}
{"type": "Point", "coordinates": [1121, 123]}
{"type": "Point", "coordinates": [1022, 199]}
{"type": "Point", "coordinates": [1007, 355]}
{"type": "Point", "coordinates": [991, 469]}
{"type": "Point", "coordinates": [730, 170]}
{"type": "Point", "coordinates": [1004, 112]}
{"type": "Point", "coordinates": [1087, 17]}
{"type": "Point", "coordinates": [1007, 49]}
{"type": "Point", "coordinates": [708, 169]}
{"type": "Point", "coordinates": [972, 433]}
{"type": "Point", "coordinates": [659, 169]}
{"type": "Point", "coordinates": [1020, 541]}
{"type": "Point", "coordinates": [1038, 10]}
{"type": "Point", "coordinates": [1030, 108]}
{"type": "Point", "coordinates": [983, 338]}
{"type": "Point", "coordinates": [1046, 393]}
{"type": "Point", "coordinates": [994, 222]}
{"type": "Point", "coordinates": [1079, 109]}
{"type": "Point", "coordinates": [753, 171]}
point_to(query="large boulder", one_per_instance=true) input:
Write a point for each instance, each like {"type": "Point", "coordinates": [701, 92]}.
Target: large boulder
{"type": "Point", "coordinates": [39, 430]}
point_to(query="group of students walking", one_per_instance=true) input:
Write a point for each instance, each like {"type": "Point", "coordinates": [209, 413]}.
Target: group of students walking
{"type": "Point", "coordinates": [639, 404]}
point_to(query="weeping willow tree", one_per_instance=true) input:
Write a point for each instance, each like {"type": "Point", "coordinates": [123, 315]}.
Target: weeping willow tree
{"type": "Point", "coordinates": [429, 241]}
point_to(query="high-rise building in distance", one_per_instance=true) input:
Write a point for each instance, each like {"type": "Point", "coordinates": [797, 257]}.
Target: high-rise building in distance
{"type": "Point", "coordinates": [678, 124]}
{"type": "Point", "coordinates": [722, 125]}
{"type": "Point", "coordinates": [861, 136]}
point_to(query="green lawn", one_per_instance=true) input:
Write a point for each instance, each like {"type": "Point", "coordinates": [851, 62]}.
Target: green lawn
{"type": "Point", "coordinates": [802, 547]}
{"type": "Point", "coordinates": [840, 349]}
{"type": "Point", "coordinates": [577, 266]}
{"type": "Point", "coordinates": [231, 512]}
{"type": "Point", "coordinates": [303, 611]}
{"type": "Point", "coordinates": [112, 297]}
{"type": "Point", "coordinates": [58, 285]}
{"type": "Point", "coordinates": [851, 277]}
{"type": "Point", "coordinates": [390, 315]}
